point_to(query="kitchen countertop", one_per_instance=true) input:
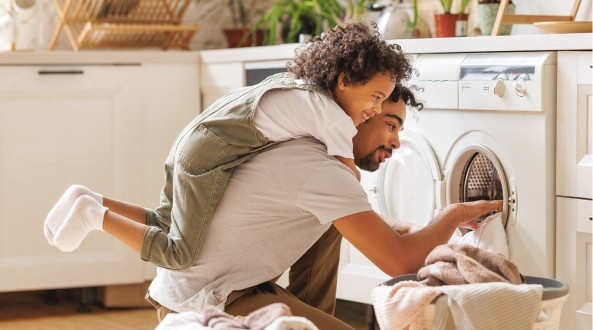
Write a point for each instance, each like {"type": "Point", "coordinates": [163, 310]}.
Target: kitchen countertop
{"type": "Point", "coordinates": [543, 42]}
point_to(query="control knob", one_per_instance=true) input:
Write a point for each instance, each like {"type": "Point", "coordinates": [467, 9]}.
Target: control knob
{"type": "Point", "coordinates": [499, 87]}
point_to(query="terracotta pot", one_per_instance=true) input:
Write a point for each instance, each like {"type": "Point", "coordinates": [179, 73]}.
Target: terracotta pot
{"type": "Point", "coordinates": [242, 37]}
{"type": "Point", "coordinates": [446, 25]}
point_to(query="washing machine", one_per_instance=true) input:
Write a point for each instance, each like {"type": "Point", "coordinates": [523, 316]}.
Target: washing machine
{"type": "Point", "coordinates": [487, 131]}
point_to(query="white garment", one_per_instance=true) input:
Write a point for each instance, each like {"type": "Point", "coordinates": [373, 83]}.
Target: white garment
{"type": "Point", "coordinates": [193, 321]}
{"type": "Point", "coordinates": [285, 114]}
{"type": "Point", "coordinates": [274, 208]}
{"type": "Point", "coordinates": [489, 236]}
{"type": "Point", "coordinates": [182, 321]}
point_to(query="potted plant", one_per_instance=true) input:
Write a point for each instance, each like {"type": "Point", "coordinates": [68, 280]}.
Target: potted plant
{"type": "Point", "coordinates": [286, 20]}
{"type": "Point", "coordinates": [235, 17]}
{"type": "Point", "coordinates": [449, 24]}
{"type": "Point", "coordinates": [413, 24]}
{"type": "Point", "coordinates": [487, 11]}
{"type": "Point", "coordinates": [241, 33]}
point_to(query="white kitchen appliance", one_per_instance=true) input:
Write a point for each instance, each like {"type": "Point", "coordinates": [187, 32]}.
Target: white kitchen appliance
{"type": "Point", "coordinates": [487, 132]}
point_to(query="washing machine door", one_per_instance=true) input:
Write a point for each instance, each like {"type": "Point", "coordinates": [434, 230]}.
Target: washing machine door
{"type": "Point", "coordinates": [409, 184]}
{"type": "Point", "coordinates": [474, 172]}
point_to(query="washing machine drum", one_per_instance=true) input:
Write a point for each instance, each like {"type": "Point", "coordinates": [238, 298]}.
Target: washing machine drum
{"type": "Point", "coordinates": [480, 180]}
{"type": "Point", "coordinates": [477, 174]}
{"type": "Point", "coordinates": [406, 185]}
{"type": "Point", "coordinates": [410, 183]}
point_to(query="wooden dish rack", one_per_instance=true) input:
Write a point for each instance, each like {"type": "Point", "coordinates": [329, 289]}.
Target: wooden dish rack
{"type": "Point", "coordinates": [123, 24]}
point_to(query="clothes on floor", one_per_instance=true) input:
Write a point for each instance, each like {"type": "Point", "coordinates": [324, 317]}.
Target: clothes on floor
{"type": "Point", "coordinates": [276, 316]}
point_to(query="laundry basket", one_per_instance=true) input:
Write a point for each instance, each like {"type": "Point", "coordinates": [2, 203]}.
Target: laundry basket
{"type": "Point", "coordinates": [553, 297]}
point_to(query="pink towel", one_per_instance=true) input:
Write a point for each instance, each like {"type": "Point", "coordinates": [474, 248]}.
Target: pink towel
{"type": "Point", "coordinates": [463, 264]}
{"type": "Point", "coordinates": [402, 305]}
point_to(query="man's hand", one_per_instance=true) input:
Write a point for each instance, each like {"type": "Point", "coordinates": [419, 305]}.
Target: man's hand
{"type": "Point", "coordinates": [469, 212]}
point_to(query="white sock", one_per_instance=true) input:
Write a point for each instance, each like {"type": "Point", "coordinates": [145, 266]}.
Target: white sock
{"type": "Point", "coordinates": [59, 212]}
{"type": "Point", "coordinates": [86, 215]}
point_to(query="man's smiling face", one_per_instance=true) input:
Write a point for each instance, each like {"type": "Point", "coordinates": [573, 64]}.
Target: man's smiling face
{"type": "Point", "coordinates": [377, 137]}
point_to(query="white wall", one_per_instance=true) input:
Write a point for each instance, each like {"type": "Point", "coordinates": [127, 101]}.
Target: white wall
{"type": "Point", "coordinates": [548, 7]}
{"type": "Point", "coordinates": [527, 7]}
{"type": "Point", "coordinates": [203, 12]}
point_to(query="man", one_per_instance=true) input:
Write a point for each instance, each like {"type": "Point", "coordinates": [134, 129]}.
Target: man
{"type": "Point", "coordinates": [278, 205]}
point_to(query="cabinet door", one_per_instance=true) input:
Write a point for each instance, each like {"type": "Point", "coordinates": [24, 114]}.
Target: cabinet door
{"type": "Point", "coordinates": [59, 126]}
{"type": "Point", "coordinates": [218, 79]}
{"type": "Point", "coordinates": [574, 260]}
{"type": "Point", "coordinates": [574, 135]}
{"type": "Point", "coordinates": [168, 107]}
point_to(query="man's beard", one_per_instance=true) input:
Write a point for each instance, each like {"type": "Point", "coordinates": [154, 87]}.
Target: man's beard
{"type": "Point", "coordinates": [368, 163]}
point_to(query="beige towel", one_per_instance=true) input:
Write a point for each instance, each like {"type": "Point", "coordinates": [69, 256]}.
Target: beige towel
{"type": "Point", "coordinates": [491, 306]}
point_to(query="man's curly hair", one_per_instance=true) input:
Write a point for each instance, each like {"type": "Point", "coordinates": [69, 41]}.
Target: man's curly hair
{"type": "Point", "coordinates": [354, 48]}
{"type": "Point", "coordinates": [404, 93]}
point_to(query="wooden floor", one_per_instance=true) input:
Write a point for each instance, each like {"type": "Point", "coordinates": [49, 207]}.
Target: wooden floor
{"type": "Point", "coordinates": [61, 310]}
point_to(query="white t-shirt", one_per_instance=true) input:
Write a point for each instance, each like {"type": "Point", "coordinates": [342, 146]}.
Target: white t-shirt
{"type": "Point", "coordinates": [275, 207]}
{"type": "Point", "coordinates": [287, 114]}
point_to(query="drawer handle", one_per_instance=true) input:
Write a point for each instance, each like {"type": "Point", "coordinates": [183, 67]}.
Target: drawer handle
{"type": "Point", "coordinates": [591, 218]}
{"type": "Point", "coordinates": [59, 72]}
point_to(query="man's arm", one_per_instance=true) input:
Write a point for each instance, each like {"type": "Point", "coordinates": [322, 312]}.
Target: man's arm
{"type": "Point", "coordinates": [397, 254]}
{"type": "Point", "coordinates": [403, 227]}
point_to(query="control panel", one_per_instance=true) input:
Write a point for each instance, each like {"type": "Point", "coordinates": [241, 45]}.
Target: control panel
{"type": "Point", "coordinates": [505, 81]}
{"type": "Point", "coordinates": [486, 81]}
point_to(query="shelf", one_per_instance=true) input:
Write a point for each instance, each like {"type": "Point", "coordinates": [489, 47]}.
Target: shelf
{"type": "Point", "coordinates": [92, 24]}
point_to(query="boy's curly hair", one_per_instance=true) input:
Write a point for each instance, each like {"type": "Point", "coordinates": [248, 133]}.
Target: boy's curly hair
{"type": "Point", "coordinates": [354, 48]}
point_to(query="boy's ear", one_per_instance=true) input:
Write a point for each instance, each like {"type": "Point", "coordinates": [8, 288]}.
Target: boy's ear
{"type": "Point", "coordinates": [341, 81]}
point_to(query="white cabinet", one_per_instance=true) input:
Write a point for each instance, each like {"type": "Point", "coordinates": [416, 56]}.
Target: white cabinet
{"type": "Point", "coordinates": [573, 260]}
{"type": "Point", "coordinates": [108, 127]}
{"type": "Point", "coordinates": [220, 78]}
{"type": "Point", "coordinates": [217, 79]}
{"type": "Point", "coordinates": [574, 157]}
{"type": "Point", "coordinates": [573, 183]}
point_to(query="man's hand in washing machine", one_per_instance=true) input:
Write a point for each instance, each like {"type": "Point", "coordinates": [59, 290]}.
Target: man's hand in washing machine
{"type": "Point", "coordinates": [467, 213]}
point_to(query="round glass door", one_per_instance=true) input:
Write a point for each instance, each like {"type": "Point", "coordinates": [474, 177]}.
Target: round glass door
{"type": "Point", "coordinates": [476, 174]}
{"type": "Point", "coordinates": [406, 183]}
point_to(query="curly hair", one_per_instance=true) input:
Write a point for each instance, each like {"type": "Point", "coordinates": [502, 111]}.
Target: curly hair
{"type": "Point", "coordinates": [401, 92]}
{"type": "Point", "coordinates": [353, 48]}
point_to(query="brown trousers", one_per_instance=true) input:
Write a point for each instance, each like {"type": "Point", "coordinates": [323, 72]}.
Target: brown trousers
{"type": "Point", "coordinates": [311, 292]}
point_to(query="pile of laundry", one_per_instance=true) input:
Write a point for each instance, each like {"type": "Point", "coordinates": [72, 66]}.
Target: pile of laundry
{"type": "Point", "coordinates": [472, 286]}
{"type": "Point", "coordinates": [275, 316]}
